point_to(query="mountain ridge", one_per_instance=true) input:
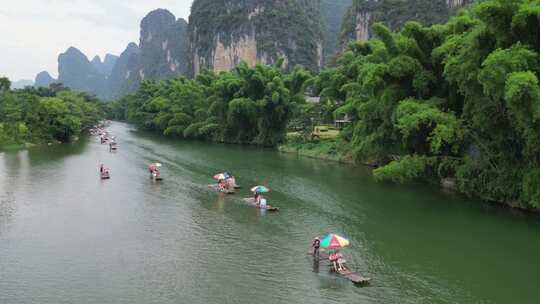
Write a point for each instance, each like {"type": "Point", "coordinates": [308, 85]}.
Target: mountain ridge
{"type": "Point", "coordinates": [310, 33]}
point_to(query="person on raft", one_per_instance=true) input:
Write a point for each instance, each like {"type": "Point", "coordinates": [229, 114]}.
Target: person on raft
{"type": "Point", "coordinates": [101, 168]}
{"type": "Point", "coordinates": [221, 185]}
{"type": "Point", "coordinates": [105, 173]}
{"type": "Point", "coordinates": [231, 181]}
{"type": "Point", "coordinates": [316, 245]}
{"type": "Point", "coordinates": [154, 170]}
{"type": "Point", "coordinates": [337, 261]}
{"type": "Point", "coordinates": [340, 262]}
{"type": "Point", "coordinates": [258, 198]}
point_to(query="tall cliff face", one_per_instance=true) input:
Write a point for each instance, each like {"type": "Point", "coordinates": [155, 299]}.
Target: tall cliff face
{"type": "Point", "coordinates": [164, 46]}
{"type": "Point", "coordinates": [121, 81]}
{"type": "Point", "coordinates": [162, 53]}
{"type": "Point", "coordinates": [105, 67]}
{"type": "Point", "coordinates": [395, 13]}
{"type": "Point", "coordinates": [458, 3]}
{"type": "Point", "coordinates": [43, 79]}
{"type": "Point", "coordinates": [225, 33]}
{"type": "Point", "coordinates": [332, 13]}
{"type": "Point", "coordinates": [75, 71]}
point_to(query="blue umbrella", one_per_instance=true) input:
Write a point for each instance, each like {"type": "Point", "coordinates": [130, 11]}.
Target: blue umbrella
{"type": "Point", "coordinates": [260, 189]}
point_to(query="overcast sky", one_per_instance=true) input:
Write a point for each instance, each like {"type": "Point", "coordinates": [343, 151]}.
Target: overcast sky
{"type": "Point", "coordinates": [34, 32]}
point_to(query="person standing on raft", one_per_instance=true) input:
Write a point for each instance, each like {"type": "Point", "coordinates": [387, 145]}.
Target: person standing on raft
{"type": "Point", "coordinates": [316, 245]}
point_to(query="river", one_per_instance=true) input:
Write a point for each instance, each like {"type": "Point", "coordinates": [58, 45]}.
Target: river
{"type": "Point", "coordinates": [68, 237]}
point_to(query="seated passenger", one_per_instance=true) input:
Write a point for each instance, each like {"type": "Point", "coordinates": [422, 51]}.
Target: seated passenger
{"type": "Point", "coordinates": [333, 259]}
{"type": "Point", "coordinates": [221, 185]}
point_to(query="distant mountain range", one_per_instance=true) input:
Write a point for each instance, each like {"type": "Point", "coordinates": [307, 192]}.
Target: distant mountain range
{"type": "Point", "coordinates": [161, 53]}
{"type": "Point", "coordinates": [21, 84]}
{"type": "Point", "coordinates": [221, 34]}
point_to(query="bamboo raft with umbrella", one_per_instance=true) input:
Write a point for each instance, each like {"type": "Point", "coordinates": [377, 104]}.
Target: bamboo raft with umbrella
{"type": "Point", "coordinates": [334, 243]}
{"type": "Point", "coordinates": [226, 183]}
{"type": "Point", "coordinates": [155, 174]}
{"type": "Point", "coordinates": [259, 201]}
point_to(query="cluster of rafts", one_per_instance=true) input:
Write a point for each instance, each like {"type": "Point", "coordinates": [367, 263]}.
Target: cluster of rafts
{"type": "Point", "coordinates": [325, 250]}
{"type": "Point", "coordinates": [105, 138]}
{"type": "Point", "coordinates": [226, 183]}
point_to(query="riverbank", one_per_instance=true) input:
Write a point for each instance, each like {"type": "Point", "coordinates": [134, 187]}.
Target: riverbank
{"type": "Point", "coordinates": [37, 143]}
{"type": "Point", "coordinates": [333, 149]}
{"type": "Point", "coordinates": [336, 150]}
{"type": "Point", "coordinates": [12, 147]}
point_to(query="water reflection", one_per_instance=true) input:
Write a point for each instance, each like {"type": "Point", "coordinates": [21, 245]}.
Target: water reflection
{"type": "Point", "coordinates": [220, 202]}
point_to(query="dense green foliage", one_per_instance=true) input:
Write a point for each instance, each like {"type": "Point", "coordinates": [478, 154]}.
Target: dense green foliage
{"type": "Point", "coordinates": [290, 29]}
{"type": "Point", "coordinates": [40, 115]}
{"type": "Point", "coordinates": [246, 105]}
{"type": "Point", "coordinates": [459, 100]}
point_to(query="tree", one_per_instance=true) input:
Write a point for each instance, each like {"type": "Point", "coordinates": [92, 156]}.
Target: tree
{"type": "Point", "coordinates": [5, 84]}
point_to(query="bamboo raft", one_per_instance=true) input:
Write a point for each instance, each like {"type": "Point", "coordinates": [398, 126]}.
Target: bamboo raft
{"type": "Point", "coordinates": [251, 202]}
{"type": "Point", "coordinates": [216, 188]}
{"type": "Point", "coordinates": [346, 273]}
{"type": "Point", "coordinates": [354, 277]}
{"type": "Point", "coordinates": [156, 178]}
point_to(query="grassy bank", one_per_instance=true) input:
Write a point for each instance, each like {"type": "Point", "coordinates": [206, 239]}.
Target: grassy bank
{"type": "Point", "coordinates": [333, 149]}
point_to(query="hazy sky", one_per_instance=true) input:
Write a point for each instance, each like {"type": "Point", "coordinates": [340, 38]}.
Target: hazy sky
{"type": "Point", "coordinates": [34, 32]}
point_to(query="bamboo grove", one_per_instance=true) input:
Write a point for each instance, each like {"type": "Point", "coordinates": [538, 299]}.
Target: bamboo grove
{"type": "Point", "coordinates": [457, 101]}
{"type": "Point", "coordinates": [246, 105]}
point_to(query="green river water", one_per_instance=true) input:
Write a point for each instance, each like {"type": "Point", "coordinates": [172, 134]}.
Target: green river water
{"type": "Point", "coordinates": [68, 237]}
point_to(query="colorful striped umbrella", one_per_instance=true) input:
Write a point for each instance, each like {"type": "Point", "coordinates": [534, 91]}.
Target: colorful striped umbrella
{"type": "Point", "coordinates": [260, 189]}
{"type": "Point", "coordinates": [334, 241]}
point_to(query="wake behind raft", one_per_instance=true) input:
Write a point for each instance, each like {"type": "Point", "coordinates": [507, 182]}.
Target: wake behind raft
{"type": "Point", "coordinates": [327, 249]}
